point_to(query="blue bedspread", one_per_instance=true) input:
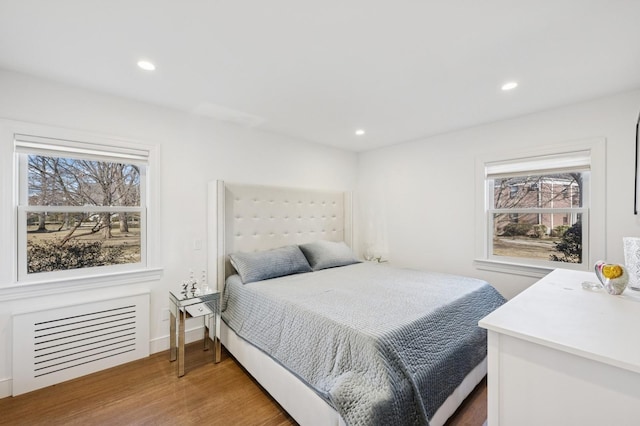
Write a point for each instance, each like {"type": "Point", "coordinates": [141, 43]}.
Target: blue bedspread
{"type": "Point", "coordinates": [384, 346]}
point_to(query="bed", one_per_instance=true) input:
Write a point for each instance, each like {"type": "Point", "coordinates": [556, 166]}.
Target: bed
{"type": "Point", "coordinates": [338, 341]}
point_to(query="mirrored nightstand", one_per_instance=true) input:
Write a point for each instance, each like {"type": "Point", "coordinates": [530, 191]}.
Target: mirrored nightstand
{"type": "Point", "coordinates": [191, 304]}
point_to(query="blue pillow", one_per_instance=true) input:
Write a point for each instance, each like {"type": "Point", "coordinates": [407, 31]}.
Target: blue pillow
{"type": "Point", "coordinates": [262, 265]}
{"type": "Point", "coordinates": [328, 254]}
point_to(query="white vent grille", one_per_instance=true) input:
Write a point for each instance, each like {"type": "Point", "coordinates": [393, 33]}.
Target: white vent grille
{"type": "Point", "coordinates": [60, 344]}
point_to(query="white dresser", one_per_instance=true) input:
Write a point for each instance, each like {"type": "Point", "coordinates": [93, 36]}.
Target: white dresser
{"type": "Point", "coordinates": [562, 355]}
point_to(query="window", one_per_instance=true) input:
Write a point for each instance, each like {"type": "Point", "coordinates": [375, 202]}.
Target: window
{"type": "Point", "coordinates": [82, 207]}
{"type": "Point", "coordinates": [538, 210]}
{"type": "Point", "coordinates": [538, 222]}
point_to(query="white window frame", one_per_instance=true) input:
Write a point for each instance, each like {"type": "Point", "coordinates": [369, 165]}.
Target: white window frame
{"type": "Point", "coordinates": [15, 283]}
{"type": "Point", "coordinates": [593, 213]}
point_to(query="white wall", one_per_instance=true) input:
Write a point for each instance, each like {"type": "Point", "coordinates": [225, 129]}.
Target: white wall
{"type": "Point", "coordinates": [194, 150]}
{"type": "Point", "coordinates": [417, 199]}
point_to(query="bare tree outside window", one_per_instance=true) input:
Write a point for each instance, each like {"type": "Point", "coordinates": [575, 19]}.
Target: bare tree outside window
{"type": "Point", "coordinates": [82, 213]}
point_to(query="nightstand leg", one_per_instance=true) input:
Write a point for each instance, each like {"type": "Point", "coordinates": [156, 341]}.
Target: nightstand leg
{"type": "Point", "coordinates": [181, 314]}
{"type": "Point", "coordinates": [206, 333]}
{"type": "Point", "coordinates": [173, 350]}
{"type": "Point", "coordinates": [216, 339]}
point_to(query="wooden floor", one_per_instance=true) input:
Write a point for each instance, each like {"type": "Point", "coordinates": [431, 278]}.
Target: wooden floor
{"type": "Point", "coordinates": [147, 392]}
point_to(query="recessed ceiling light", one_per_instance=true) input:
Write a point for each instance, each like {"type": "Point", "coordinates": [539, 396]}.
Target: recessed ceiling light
{"type": "Point", "coordinates": [509, 86]}
{"type": "Point", "coordinates": [146, 65]}
{"type": "Point", "coordinates": [360, 132]}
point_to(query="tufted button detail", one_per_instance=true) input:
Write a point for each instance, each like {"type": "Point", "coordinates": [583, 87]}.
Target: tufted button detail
{"type": "Point", "coordinates": [270, 213]}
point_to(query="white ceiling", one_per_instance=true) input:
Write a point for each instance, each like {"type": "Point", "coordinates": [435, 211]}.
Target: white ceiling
{"type": "Point", "coordinates": [319, 70]}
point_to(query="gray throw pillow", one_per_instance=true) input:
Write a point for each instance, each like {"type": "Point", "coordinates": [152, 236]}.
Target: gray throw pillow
{"type": "Point", "coordinates": [262, 265]}
{"type": "Point", "coordinates": [328, 254]}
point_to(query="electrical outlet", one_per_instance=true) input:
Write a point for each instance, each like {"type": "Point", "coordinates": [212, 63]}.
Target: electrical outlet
{"type": "Point", "coordinates": [165, 315]}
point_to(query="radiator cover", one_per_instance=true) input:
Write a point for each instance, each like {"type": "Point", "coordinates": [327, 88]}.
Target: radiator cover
{"type": "Point", "coordinates": [52, 346]}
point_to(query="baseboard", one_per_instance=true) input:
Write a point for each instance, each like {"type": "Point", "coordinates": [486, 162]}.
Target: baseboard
{"type": "Point", "coordinates": [5, 387]}
{"type": "Point", "coordinates": [161, 343]}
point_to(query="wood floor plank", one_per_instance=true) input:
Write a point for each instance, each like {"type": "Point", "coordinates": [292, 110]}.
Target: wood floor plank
{"type": "Point", "coordinates": [148, 392]}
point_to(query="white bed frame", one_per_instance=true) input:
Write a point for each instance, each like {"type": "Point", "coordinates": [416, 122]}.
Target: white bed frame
{"type": "Point", "coordinates": [253, 217]}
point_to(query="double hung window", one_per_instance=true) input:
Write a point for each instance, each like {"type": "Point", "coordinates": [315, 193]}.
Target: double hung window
{"type": "Point", "coordinates": [538, 209]}
{"type": "Point", "coordinates": [81, 207]}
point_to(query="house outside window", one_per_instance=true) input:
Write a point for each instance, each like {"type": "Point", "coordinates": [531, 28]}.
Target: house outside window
{"type": "Point", "coordinates": [549, 221]}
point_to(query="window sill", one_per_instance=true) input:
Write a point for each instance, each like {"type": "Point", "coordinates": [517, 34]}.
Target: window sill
{"type": "Point", "coordinates": [512, 268]}
{"type": "Point", "coordinates": [67, 285]}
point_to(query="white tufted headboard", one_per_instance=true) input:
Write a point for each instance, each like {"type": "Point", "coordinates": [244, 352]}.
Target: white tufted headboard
{"type": "Point", "coordinates": [252, 217]}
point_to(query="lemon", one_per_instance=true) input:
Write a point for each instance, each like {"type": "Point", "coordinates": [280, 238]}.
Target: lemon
{"type": "Point", "coordinates": [611, 271]}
